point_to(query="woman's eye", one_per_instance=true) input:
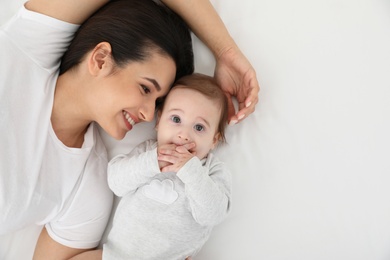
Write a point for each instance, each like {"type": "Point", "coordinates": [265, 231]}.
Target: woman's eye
{"type": "Point", "coordinates": [175, 119]}
{"type": "Point", "coordinates": [146, 89]}
{"type": "Point", "coordinates": [199, 128]}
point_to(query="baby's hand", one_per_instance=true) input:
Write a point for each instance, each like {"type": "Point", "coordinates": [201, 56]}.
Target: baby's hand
{"type": "Point", "coordinates": [172, 157]}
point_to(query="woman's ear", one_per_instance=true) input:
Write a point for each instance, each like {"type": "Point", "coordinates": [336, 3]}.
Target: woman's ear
{"type": "Point", "coordinates": [100, 59]}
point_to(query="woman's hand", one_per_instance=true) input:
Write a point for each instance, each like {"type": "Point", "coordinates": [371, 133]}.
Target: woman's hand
{"type": "Point", "coordinates": [233, 71]}
{"type": "Point", "coordinates": [237, 78]}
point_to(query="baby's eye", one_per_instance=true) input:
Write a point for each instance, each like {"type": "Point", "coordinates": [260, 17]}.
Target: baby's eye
{"type": "Point", "coordinates": [199, 128]}
{"type": "Point", "coordinates": [175, 119]}
{"type": "Point", "coordinates": [146, 89]}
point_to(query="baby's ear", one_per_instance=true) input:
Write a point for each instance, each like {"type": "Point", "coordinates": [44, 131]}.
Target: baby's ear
{"type": "Point", "coordinates": [158, 116]}
{"type": "Point", "coordinates": [216, 139]}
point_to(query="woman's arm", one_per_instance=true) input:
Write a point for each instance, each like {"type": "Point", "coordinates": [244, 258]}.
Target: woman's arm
{"type": "Point", "coordinates": [210, 28]}
{"type": "Point", "coordinates": [71, 11]}
{"type": "Point", "coordinates": [47, 248]}
{"type": "Point", "coordinates": [233, 71]}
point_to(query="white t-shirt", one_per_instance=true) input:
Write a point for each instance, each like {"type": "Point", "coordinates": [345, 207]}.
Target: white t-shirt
{"type": "Point", "coordinates": [41, 180]}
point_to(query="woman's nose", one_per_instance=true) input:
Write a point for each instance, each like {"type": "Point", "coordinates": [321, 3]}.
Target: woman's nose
{"type": "Point", "coordinates": [146, 113]}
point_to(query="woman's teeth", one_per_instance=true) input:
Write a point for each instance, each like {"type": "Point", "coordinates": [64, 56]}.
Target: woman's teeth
{"type": "Point", "coordinates": [128, 118]}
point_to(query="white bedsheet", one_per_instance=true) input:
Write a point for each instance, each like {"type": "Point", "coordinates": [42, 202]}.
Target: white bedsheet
{"type": "Point", "coordinates": [311, 166]}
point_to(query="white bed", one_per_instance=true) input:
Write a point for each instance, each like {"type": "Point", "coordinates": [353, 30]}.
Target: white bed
{"type": "Point", "coordinates": [311, 166]}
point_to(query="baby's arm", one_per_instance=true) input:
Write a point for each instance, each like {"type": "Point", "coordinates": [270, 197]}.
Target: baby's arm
{"type": "Point", "coordinates": [208, 189]}
{"type": "Point", "coordinates": [128, 172]}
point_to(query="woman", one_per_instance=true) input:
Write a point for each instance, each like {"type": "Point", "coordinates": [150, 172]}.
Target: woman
{"type": "Point", "coordinates": [53, 161]}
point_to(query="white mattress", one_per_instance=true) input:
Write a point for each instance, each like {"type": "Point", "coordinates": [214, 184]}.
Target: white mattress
{"type": "Point", "coordinates": [311, 166]}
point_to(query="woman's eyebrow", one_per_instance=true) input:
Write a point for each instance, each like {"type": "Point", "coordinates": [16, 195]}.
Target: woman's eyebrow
{"type": "Point", "coordinates": [154, 82]}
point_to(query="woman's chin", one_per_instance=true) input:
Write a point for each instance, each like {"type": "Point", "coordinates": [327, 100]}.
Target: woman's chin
{"type": "Point", "coordinates": [117, 134]}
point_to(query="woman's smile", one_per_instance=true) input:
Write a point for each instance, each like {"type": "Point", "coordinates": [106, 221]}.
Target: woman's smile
{"type": "Point", "coordinates": [129, 120]}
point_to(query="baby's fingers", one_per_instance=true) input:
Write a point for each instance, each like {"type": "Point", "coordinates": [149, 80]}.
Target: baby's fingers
{"type": "Point", "coordinates": [167, 158]}
{"type": "Point", "coordinates": [185, 147]}
{"type": "Point", "coordinates": [166, 148]}
{"type": "Point", "coordinates": [169, 168]}
{"type": "Point", "coordinates": [182, 150]}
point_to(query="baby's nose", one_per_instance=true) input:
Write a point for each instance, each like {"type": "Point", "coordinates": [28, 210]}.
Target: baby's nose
{"type": "Point", "coordinates": [184, 137]}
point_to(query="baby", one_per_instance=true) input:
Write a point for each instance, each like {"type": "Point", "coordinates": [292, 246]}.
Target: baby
{"type": "Point", "coordinates": [174, 190]}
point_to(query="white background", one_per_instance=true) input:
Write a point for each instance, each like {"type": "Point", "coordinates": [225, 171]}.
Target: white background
{"type": "Point", "coordinates": [312, 165]}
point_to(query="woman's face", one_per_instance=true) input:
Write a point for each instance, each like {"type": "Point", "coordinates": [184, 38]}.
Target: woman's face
{"type": "Point", "coordinates": [129, 95]}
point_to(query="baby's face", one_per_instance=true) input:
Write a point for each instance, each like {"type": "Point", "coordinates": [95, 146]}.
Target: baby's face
{"type": "Point", "coordinates": [189, 116]}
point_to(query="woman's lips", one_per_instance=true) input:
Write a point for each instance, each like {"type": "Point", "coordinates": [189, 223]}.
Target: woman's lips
{"type": "Point", "coordinates": [129, 120]}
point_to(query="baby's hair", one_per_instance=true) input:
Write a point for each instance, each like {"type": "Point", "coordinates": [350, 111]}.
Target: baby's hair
{"type": "Point", "coordinates": [207, 86]}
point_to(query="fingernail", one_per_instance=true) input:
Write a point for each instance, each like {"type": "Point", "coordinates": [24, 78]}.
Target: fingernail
{"type": "Point", "coordinates": [248, 104]}
{"type": "Point", "coordinates": [241, 116]}
{"type": "Point", "coordinates": [233, 122]}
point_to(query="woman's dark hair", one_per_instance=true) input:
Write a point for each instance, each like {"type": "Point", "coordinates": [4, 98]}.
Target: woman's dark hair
{"type": "Point", "coordinates": [133, 28]}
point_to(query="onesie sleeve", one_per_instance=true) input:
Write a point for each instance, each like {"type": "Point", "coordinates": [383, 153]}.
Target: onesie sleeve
{"type": "Point", "coordinates": [208, 189]}
{"type": "Point", "coordinates": [127, 172]}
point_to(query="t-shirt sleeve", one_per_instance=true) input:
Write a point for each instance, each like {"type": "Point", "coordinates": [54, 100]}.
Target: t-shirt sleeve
{"type": "Point", "coordinates": [44, 39]}
{"type": "Point", "coordinates": [82, 223]}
